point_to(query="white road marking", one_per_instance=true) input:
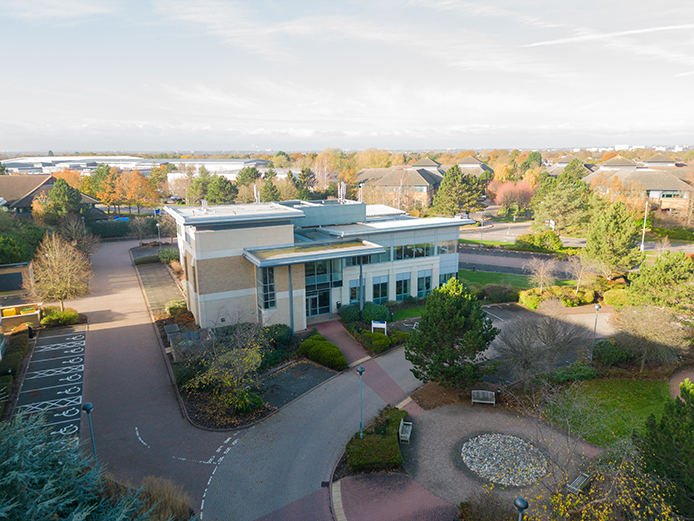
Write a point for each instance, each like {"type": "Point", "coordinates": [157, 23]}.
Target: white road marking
{"type": "Point", "coordinates": [137, 432]}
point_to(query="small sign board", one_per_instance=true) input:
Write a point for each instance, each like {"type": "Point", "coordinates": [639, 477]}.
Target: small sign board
{"type": "Point", "coordinates": [376, 324]}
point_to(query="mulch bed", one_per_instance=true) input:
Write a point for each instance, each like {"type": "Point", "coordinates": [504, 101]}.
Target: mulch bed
{"type": "Point", "coordinates": [432, 395]}
{"type": "Point", "coordinates": [197, 403]}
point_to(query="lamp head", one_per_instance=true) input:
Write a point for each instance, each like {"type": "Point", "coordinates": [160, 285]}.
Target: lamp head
{"type": "Point", "coordinates": [597, 307]}
{"type": "Point", "coordinates": [88, 407]}
{"type": "Point", "coordinates": [361, 370]}
{"type": "Point", "coordinates": [521, 504]}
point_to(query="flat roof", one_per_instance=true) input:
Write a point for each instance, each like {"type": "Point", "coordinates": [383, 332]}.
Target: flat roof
{"type": "Point", "coordinates": [309, 252]}
{"type": "Point", "coordinates": [395, 225]}
{"type": "Point", "coordinates": [232, 214]}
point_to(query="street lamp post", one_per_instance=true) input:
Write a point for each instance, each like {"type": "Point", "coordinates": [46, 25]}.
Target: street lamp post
{"type": "Point", "coordinates": [88, 408]}
{"type": "Point", "coordinates": [361, 370]}
{"type": "Point", "coordinates": [645, 217]}
{"type": "Point", "coordinates": [84, 228]}
{"type": "Point", "coordinates": [521, 505]}
{"type": "Point", "coordinates": [159, 234]}
{"type": "Point", "coordinates": [481, 231]}
{"type": "Point", "coordinates": [595, 329]}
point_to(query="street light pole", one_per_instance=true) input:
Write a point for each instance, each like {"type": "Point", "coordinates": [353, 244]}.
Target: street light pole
{"type": "Point", "coordinates": [645, 217]}
{"type": "Point", "coordinates": [159, 234]}
{"type": "Point", "coordinates": [481, 231]}
{"type": "Point", "coordinates": [84, 228]}
{"type": "Point", "coordinates": [361, 370]}
{"type": "Point", "coordinates": [595, 329]}
{"type": "Point", "coordinates": [88, 408]}
{"type": "Point", "coordinates": [521, 505]}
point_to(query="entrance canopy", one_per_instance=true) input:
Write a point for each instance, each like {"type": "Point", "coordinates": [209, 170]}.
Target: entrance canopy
{"type": "Point", "coordinates": [315, 251]}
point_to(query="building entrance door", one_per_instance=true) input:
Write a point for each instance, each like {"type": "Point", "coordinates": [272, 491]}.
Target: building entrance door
{"type": "Point", "coordinates": [318, 303]}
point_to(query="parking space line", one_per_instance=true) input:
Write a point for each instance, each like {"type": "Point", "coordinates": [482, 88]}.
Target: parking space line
{"type": "Point", "coordinates": [73, 356]}
{"type": "Point", "coordinates": [71, 384]}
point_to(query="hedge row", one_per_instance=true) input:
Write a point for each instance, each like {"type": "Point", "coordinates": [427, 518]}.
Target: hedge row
{"type": "Point", "coordinates": [378, 342]}
{"type": "Point", "coordinates": [379, 448]}
{"type": "Point", "coordinates": [532, 298]}
{"type": "Point", "coordinates": [318, 349]}
{"type": "Point", "coordinates": [53, 317]}
{"type": "Point", "coordinates": [371, 311]}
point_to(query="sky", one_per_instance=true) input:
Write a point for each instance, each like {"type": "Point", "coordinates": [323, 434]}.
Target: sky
{"type": "Point", "coordinates": [256, 75]}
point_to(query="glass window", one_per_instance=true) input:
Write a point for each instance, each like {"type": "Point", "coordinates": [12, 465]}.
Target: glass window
{"type": "Point", "coordinates": [423, 283]}
{"type": "Point", "coordinates": [265, 280]}
{"type": "Point", "coordinates": [354, 293]}
{"type": "Point", "coordinates": [380, 289]}
{"type": "Point", "coordinates": [323, 273]}
{"type": "Point", "coordinates": [425, 249]}
{"type": "Point", "coordinates": [402, 286]}
{"type": "Point", "coordinates": [445, 277]}
{"type": "Point", "coordinates": [447, 247]}
{"type": "Point", "coordinates": [380, 257]}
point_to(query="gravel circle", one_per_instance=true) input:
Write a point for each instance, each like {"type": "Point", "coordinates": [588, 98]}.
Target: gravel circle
{"type": "Point", "coordinates": [504, 459]}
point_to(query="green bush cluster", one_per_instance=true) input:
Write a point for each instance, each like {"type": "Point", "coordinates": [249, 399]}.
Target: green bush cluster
{"type": "Point", "coordinates": [379, 448]}
{"type": "Point", "coordinates": [55, 318]}
{"type": "Point", "coordinates": [609, 353]}
{"type": "Point", "coordinates": [531, 298]}
{"type": "Point", "coordinates": [377, 342]}
{"type": "Point", "coordinates": [279, 334]}
{"type": "Point", "coordinates": [574, 373]}
{"type": "Point", "coordinates": [350, 313]}
{"type": "Point", "coordinates": [318, 349]}
{"type": "Point", "coordinates": [398, 337]}
{"type": "Point", "coordinates": [6, 383]}
{"type": "Point", "coordinates": [548, 241]}
{"type": "Point", "coordinates": [496, 293]}
{"type": "Point", "coordinates": [247, 402]}
{"type": "Point", "coordinates": [167, 255]}
{"type": "Point", "coordinates": [175, 307]}
{"type": "Point", "coordinates": [108, 229]}
{"type": "Point", "coordinates": [615, 297]}
{"type": "Point", "coordinates": [11, 364]}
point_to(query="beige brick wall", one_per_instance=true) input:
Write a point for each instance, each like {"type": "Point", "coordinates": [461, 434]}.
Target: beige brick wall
{"type": "Point", "coordinates": [225, 274]}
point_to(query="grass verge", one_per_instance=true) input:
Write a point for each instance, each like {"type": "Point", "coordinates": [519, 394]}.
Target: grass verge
{"type": "Point", "coordinates": [627, 404]}
{"type": "Point", "coordinates": [402, 314]}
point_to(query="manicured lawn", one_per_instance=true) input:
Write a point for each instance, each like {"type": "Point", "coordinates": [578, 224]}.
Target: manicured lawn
{"type": "Point", "coordinates": [627, 404]}
{"type": "Point", "coordinates": [486, 243]}
{"type": "Point", "coordinates": [402, 314]}
{"type": "Point", "coordinates": [488, 277]}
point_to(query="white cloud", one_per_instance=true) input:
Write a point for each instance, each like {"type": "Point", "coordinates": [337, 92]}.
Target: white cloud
{"type": "Point", "coordinates": [39, 10]}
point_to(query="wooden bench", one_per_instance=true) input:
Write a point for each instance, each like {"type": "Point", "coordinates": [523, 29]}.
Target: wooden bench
{"type": "Point", "coordinates": [484, 397]}
{"type": "Point", "coordinates": [579, 484]}
{"type": "Point", "coordinates": [405, 431]}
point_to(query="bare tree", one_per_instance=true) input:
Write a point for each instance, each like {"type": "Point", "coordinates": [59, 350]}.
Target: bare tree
{"type": "Point", "coordinates": [650, 332]}
{"type": "Point", "coordinates": [530, 345]}
{"type": "Point", "coordinates": [61, 272]}
{"type": "Point", "coordinates": [541, 272]}
{"type": "Point", "coordinates": [139, 227]}
{"type": "Point", "coordinates": [578, 268]}
{"type": "Point", "coordinates": [73, 230]}
{"type": "Point", "coordinates": [663, 245]}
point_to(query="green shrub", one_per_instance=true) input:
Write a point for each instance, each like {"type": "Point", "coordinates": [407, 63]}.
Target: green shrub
{"type": "Point", "coordinates": [18, 344]}
{"type": "Point", "coordinates": [108, 229]}
{"type": "Point", "coordinates": [574, 373]}
{"type": "Point", "coordinates": [615, 297]}
{"type": "Point", "coordinates": [61, 318]}
{"type": "Point", "coordinates": [379, 449]}
{"type": "Point", "coordinates": [279, 334]}
{"type": "Point", "coordinates": [248, 402]}
{"type": "Point", "coordinates": [530, 298]}
{"type": "Point", "coordinates": [167, 255]}
{"type": "Point", "coordinates": [307, 344]}
{"type": "Point", "coordinates": [328, 354]}
{"type": "Point", "coordinates": [350, 313]}
{"type": "Point", "coordinates": [548, 241]}
{"type": "Point", "coordinates": [398, 337]}
{"type": "Point", "coordinates": [175, 307]}
{"type": "Point", "coordinates": [376, 312]}
{"type": "Point", "coordinates": [609, 353]}
{"type": "Point", "coordinates": [149, 259]}
{"type": "Point", "coordinates": [49, 310]}
{"type": "Point", "coordinates": [497, 293]}
{"type": "Point", "coordinates": [11, 364]}
{"type": "Point", "coordinates": [377, 342]}
{"type": "Point", "coordinates": [184, 372]}
{"type": "Point", "coordinates": [273, 358]}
